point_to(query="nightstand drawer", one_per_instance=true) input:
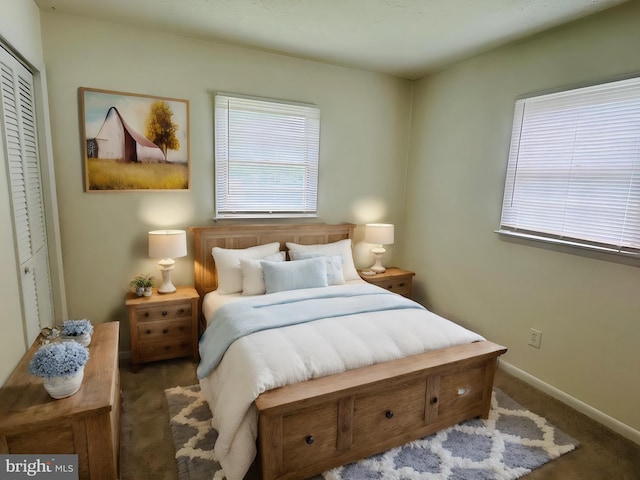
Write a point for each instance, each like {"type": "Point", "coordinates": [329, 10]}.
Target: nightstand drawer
{"type": "Point", "coordinates": [401, 286]}
{"type": "Point", "coordinates": [160, 350]}
{"type": "Point", "coordinates": [163, 312]}
{"type": "Point", "coordinates": [169, 328]}
{"type": "Point", "coordinates": [393, 279]}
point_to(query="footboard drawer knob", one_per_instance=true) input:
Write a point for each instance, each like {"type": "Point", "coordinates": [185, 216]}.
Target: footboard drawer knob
{"type": "Point", "coordinates": [389, 414]}
{"type": "Point", "coordinates": [310, 440]}
{"type": "Point", "coordinates": [434, 400]}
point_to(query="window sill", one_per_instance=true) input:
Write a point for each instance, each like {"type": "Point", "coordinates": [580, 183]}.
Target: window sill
{"type": "Point", "coordinates": [568, 246]}
{"type": "Point", "coordinates": [248, 216]}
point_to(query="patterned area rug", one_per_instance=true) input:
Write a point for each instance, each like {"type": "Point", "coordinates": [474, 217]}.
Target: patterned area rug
{"type": "Point", "coordinates": [509, 444]}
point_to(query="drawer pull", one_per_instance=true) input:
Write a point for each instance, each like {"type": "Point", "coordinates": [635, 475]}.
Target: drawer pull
{"type": "Point", "coordinates": [463, 391]}
{"type": "Point", "coordinates": [146, 314]}
{"type": "Point", "coordinates": [402, 284]}
{"type": "Point", "coordinates": [165, 313]}
{"type": "Point", "coordinates": [434, 400]}
{"type": "Point", "coordinates": [389, 414]}
{"type": "Point", "coordinates": [167, 347]}
{"type": "Point", "coordinates": [310, 440]}
{"type": "Point", "coordinates": [166, 330]}
{"type": "Point", "coordinates": [148, 332]}
{"type": "Point", "coordinates": [181, 311]}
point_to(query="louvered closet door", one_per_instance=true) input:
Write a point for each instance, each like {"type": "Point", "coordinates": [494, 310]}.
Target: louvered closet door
{"type": "Point", "coordinates": [19, 131]}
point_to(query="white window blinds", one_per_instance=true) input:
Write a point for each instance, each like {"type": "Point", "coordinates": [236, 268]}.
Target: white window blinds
{"type": "Point", "coordinates": [266, 157]}
{"type": "Point", "coordinates": [574, 168]}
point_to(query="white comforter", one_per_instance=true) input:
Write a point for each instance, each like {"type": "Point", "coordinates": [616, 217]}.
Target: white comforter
{"type": "Point", "coordinates": [273, 358]}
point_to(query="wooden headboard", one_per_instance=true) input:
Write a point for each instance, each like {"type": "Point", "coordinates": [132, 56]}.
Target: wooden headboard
{"type": "Point", "coordinates": [243, 236]}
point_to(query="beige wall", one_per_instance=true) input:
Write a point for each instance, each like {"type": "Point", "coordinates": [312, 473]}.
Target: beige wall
{"type": "Point", "coordinates": [363, 151]}
{"type": "Point", "coordinates": [587, 308]}
{"type": "Point", "coordinates": [20, 28]}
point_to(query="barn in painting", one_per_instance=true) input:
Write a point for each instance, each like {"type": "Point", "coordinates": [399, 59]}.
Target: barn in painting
{"type": "Point", "coordinates": [117, 141]}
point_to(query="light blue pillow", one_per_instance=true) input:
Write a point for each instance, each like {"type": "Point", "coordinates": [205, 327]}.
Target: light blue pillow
{"type": "Point", "coordinates": [308, 273]}
{"type": "Point", "coordinates": [335, 276]}
{"type": "Point", "coordinates": [341, 247]}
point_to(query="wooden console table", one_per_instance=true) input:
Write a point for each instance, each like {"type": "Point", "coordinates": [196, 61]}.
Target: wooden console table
{"type": "Point", "coordinates": [86, 423]}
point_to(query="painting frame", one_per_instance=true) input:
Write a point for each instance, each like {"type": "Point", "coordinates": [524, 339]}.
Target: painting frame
{"type": "Point", "coordinates": [134, 142]}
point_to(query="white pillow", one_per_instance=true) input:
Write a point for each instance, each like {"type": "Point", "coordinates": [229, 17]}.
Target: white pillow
{"type": "Point", "coordinates": [228, 264]}
{"type": "Point", "coordinates": [252, 277]}
{"type": "Point", "coordinates": [341, 247]}
{"type": "Point", "coordinates": [335, 276]}
{"type": "Point", "coordinates": [280, 276]}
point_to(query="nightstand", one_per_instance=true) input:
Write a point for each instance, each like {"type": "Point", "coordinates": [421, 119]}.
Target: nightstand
{"type": "Point", "coordinates": [393, 279]}
{"type": "Point", "coordinates": [163, 326]}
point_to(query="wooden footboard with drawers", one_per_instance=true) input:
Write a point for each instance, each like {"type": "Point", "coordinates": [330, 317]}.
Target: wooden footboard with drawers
{"type": "Point", "coordinates": [310, 427]}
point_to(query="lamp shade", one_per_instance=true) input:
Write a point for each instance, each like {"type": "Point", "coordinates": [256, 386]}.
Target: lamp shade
{"type": "Point", "coordinates": [379, 233]}
{"type": "Point", "coordinates": [167, 243]}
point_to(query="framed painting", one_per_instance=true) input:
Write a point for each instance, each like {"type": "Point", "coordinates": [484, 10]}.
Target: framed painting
{"type": "Point", "coordinates": [134, 142]}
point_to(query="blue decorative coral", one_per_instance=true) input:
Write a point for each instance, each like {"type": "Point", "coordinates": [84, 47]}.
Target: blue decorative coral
{"type": "Point", "coordinates": [58, 359]}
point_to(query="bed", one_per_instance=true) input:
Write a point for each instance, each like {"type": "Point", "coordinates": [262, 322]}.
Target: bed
{"type": "Point", "coordinates": [289, 395]}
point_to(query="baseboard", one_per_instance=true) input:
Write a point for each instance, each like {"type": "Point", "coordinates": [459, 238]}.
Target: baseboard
{"type": "Point", "coordinates": [593, 413]}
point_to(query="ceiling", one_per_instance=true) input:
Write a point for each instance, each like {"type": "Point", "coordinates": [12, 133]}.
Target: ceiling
{"type": "Point", "coordinates": [405, 38]}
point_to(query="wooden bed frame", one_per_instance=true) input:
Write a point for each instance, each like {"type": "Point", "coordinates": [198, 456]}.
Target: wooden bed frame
{"type": "Point", "coordinates": [312, 426]}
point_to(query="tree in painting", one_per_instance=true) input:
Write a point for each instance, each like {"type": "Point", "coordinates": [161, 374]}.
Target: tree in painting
{"type": "Point", "coordinates": [160, 129]}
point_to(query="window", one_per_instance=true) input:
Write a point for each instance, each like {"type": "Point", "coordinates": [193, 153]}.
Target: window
{"type": "Point", "coordinates": [573, 175]}
{"type": "Point", "coordinates": [266, 157]}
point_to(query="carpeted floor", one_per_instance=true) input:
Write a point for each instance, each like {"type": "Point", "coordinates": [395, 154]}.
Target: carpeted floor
{"type": "Point", "coordinates": [508, 445]}
{"type": "Point", "coordinates": [147, 451]}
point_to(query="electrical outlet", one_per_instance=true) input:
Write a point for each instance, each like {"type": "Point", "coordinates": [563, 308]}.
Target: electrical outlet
{"type": "Point", "coordinates": [535, 337]}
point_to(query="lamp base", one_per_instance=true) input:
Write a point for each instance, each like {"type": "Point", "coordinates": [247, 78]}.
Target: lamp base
{"type": "Point", "coordinates": [377, 266]}
{"type": "Point", "coordinates": [166, 265]}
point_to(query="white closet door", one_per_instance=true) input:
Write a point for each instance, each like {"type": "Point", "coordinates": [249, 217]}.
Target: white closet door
{"type": "Point", "coordinates": [21, 143]}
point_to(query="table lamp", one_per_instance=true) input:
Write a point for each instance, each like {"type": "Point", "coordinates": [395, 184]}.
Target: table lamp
{"type": "Point", "coordinates": [379, 234]}
{"type": "Point", "coordinates": [167, 245]}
